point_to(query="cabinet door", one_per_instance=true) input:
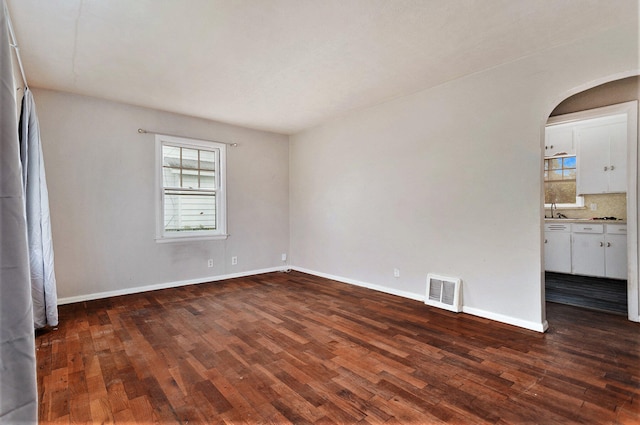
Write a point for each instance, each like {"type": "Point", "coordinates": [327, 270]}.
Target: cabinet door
{"type": "Point", "coordinates": [618, 157]}
{"type": "Point", "coordinates": [592, 160]}
{"type": "Point", "coordinates": [557, 252]}
{"type": "Point", "coordinates": [587, 254]}
{"type": "Point", "coordinates": [615, 256]}
{"type": "Point", "coordinates": [602, 158]}
{"type": "Point", "coordinates": [559, 140]}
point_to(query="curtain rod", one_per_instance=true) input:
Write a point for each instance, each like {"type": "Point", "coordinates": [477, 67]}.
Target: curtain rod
{"type": "Point", "coordinates": [14, 44]}
{"type": "Point", "coordinates": [143, 131]}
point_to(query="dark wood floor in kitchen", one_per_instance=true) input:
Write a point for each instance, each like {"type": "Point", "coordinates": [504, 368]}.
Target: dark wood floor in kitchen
{"type": "Point", "coordinates": [608, 295]}
{"type": "Point", "coordinates": [293, 348]}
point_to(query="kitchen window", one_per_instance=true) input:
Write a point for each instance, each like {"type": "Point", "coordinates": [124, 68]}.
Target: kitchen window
{"type": "Point", "coordinates": [560, 182]}
{"type": "Point", "coordinates": [191, 200]}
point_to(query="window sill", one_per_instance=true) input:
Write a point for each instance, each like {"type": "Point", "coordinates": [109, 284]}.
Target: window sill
{"type": "Point", "coordinates": [174, 239]}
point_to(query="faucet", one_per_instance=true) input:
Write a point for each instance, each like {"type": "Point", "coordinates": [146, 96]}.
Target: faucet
{"type": "Point", "coordinates": [553, 205]}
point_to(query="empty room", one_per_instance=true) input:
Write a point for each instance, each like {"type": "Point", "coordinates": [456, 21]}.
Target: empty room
{"type": "Point", "coordinates": [294, 212]}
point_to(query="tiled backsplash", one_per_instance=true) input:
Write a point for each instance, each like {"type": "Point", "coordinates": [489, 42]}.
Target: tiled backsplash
{"type": "Point", "coordinates": [609, 205]}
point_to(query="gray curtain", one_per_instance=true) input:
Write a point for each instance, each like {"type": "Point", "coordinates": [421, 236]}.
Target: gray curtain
{"type": "Point", "coordinates": [43, 279]}
{"type": "Point", "coordinates": [18, 393]}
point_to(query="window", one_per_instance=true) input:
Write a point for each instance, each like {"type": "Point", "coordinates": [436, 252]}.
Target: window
{"type": "Point", "coordinates": [192, 190]}
{"type": "Point", "coordinates": [560, 180]}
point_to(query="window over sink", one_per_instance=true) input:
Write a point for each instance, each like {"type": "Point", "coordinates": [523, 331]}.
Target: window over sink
{"type": "Point", "coordinates": [560, 181]}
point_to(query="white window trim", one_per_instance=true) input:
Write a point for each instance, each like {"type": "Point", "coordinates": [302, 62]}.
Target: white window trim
{"type": "Point", "coordinates": [221, 191]}
{"type": "Point", "coordinates": [579, 204]}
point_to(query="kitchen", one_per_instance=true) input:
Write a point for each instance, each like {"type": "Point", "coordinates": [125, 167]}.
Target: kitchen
{"type": "Point", "coordinates": [591, 199]}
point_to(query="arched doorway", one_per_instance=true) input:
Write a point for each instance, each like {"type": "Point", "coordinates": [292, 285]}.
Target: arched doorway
{"type": "Point", "coordinates": [590, 103]}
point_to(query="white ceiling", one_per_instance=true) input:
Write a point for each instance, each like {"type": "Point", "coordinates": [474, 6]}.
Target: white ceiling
{"type": "Point", "coordinates": [285, 65]}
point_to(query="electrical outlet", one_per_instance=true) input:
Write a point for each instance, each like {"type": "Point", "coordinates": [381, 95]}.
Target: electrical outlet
{"type": "Point", "coordinates": [284, 256]}
{"type": "Point", "coordinates": [593, 207]}
{"type": "Point", "coordinates": [396, 272]}
{"type": "Point", "coordinates": [234, 261]}
{"type": "Point", "coordinates": [210, 262]}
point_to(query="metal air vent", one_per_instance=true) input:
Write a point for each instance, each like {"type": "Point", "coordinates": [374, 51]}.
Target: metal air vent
{"type": "Point", "coordinates": [444, 292]}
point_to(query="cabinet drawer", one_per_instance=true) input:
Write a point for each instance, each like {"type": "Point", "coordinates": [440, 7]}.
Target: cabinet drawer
{"type": "Point", "coordinates": [557, 227]}
{"type": "Point", "coordinates": [587, 228]}
{"type": "Point", "coordinates": [617, 229]}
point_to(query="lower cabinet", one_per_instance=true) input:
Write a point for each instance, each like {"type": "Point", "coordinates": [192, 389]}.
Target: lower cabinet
{"type": "Point", "coordinates": [599, 250]}
{"type": "Point", "coordinates": [589, 249]}
{"type": "Point", "coordinates": [615, 256]}
{"type": "Point", "coordinates": [587, 256]}
{"type": "Point", "coordinates": [557, 247]}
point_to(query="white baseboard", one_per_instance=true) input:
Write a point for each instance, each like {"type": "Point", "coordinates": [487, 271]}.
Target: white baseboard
{"type": "Point", "coordinates": [538, 327]}
{"type": "Point", "coordinates": [534, 326]}
{"type": "Point", "coordinates": [367, 285]}
{"type": "Point", "coordinates": [154, 287]}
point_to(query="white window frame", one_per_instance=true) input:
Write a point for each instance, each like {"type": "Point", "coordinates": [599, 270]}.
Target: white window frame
{"type": "Point", "coordinates": [579, 204]}
{"type": "Point", "coordinates": [221, 190]}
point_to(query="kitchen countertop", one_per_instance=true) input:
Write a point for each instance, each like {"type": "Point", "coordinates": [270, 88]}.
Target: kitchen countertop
{"type": "Point", "coordinates": [583, 220]}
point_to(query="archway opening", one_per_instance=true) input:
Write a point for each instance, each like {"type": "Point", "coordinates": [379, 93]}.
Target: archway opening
{"type": "Point", "coordinates": [567, 163]}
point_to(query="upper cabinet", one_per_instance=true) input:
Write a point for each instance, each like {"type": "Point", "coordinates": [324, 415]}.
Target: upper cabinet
{"type": "Point", "coordinates": [599, 145]}
{"type": "Point", "coordinates": [559, 140]}
{"type": "Point", "coordinates": [601, 155]}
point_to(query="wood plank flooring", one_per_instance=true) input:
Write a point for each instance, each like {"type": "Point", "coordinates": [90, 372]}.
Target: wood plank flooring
{"type": "Point", "coordinates": [609, 295]}
{"type": "Point", "coordinates": [292, 348]}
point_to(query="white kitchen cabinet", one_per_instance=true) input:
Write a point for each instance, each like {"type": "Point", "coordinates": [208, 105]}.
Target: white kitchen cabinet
{"type": "Point", "coordinates": [615, 241]}
{"type": "Point", "coordinates": [599, 251]}
{"type": "Point", "coordinates": [602, 156]}
{"type": "Point", "coordinates": [587, 256]}
{"type": "Point", "coordinates": [557, 247]}
{"type": "Point", "coordinates": [559, 139]}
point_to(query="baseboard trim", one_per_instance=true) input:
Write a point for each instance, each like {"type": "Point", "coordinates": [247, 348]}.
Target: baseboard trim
{"type": "Point", "coordinates": [367, 285]}
{"type": "Point", "coordinates": [533, 326]}
{"type": "Point", "coordinates": [155, 287]}
{"type": "Point", "coordinates": [538, 327]}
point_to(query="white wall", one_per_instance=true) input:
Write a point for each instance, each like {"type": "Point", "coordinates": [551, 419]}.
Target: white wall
{"type": "Point", "coordinates": [446, 181]}
{"type": "Point", "coordinates": [100, 174]}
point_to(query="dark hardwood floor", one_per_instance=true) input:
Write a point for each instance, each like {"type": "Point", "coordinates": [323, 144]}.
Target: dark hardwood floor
{"type": "Point", "coordinates": [608, 295]}
{"type": "Point", "coordinates": [293, 348]}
